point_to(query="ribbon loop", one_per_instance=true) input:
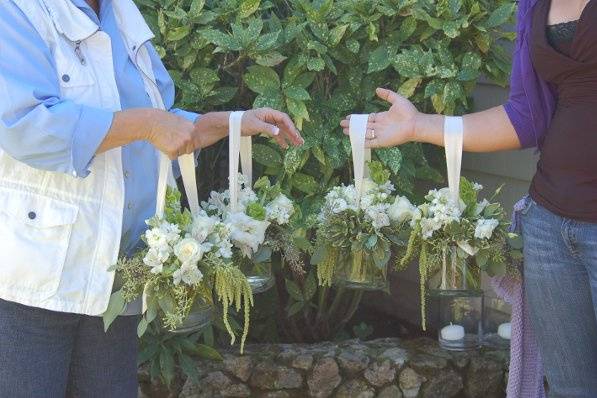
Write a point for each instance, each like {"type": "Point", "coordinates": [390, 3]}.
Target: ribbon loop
{"type": "Point", "coordinates": [453, 143]}
{"type": "Point", "coordinates": [360, 155]}
{"type": "Point", "coordinates": [238, 148]}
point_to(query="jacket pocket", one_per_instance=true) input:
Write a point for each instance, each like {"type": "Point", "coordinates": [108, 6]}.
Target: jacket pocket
{"type": "Point", "coordinates": [35, 231]}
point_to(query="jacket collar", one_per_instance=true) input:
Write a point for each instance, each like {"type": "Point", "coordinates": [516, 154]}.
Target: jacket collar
{"type": "Point", "coordinates": [71, 22]}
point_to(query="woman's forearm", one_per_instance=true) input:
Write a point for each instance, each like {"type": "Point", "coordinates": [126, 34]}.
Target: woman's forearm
{"type": "Point", "coordinates": [486, 131]}
{"type": "Point", "coordinates": [128, 126]}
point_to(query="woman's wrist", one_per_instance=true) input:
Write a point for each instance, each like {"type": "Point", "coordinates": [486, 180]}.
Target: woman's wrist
{"type": "Point", "coordinates": [215, 123]}
{"type": "Point", "coordinates": [428, 129]}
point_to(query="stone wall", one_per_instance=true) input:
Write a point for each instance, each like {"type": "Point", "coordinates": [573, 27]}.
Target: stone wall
{"type": "Point", "coordinates": [386, 368]}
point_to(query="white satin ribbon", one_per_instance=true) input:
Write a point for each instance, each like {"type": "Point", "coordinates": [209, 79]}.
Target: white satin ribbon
{"type": "Point", "coordinates": [239, 148]}
{"type": "Point", "coordinates": [453, 142]}
{"type": "Point", "coordinates": [357, 130]}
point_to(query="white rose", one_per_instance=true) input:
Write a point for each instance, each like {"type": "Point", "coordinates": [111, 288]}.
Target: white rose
{"type": "Point", "coordinates": [485, 228]}
{"type": "Point", "coordinates": [188, 273]}
{"type": "Point", "coordinates": [188, 250]}
{"type": "Point", "coordinates": [155, 259]}
{"type": "Point", "coordinates": [401, 210]}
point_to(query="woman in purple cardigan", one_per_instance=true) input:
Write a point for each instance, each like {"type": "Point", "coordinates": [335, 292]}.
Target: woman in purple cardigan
{"type": "Point", "coordinates": [552, 106]}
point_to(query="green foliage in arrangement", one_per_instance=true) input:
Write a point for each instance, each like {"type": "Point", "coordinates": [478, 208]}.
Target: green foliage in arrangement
{"type": "Point", "coordinates": [319, 61]}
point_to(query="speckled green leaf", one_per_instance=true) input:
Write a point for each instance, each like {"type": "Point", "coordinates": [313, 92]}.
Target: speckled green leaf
{"type": "Point", "coordinates": [471, 65]}
{"type": "Point", "coordinates": [336, 34]}
{"type": "Point", "coordinates": [305, 183]}
{"type": "Point", "coordinates": [179, 33]}
{"type": "Point", "coordinates": [407, 89]}
{"type": "Point", "coordinates": [379, 59]}
{"type": "Point", "coordinates": [391, 157]}
{"type": "Point", "coordinates": [407, 28]}
{"type": "Point", "coordinates": [262, 79]}
{"type": "Point", "coordinates": [315, 64]}
{"type": "Point", "coordinates": [196, 8]}
{"type": "Point", "coordinates": [266, 155]}
{"type": "Point", "coordinates": [272, 58]}
{"type": "Point", "coordinates": [501, 15]}
{"type": "Point", "coordinates": [407, 63]}
{"type": "Point", "coordinates": [353, 45]}
{"type": "Point", "coordinates": [267, 41]}
{"type": "Point", "coordinates": [220, 39]}
{"type": "Point", "coordinates": [297, 93]}
{"type": "Point", "coordinates": [248, 7]}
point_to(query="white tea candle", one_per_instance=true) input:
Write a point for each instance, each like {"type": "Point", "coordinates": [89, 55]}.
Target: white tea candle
{"type": "Point", "coordinates": [452, 332]}
{"type": "Point", "coordinates": [505, 331]}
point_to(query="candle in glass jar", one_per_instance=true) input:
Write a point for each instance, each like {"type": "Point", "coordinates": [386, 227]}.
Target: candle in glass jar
{"type": "Point", "coordinates": [452, 332]}
{"type": "Point", "coordinates": [505, 331]}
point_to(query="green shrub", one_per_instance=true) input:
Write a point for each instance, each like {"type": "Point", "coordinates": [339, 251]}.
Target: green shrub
{"type": "Point", "coordinates": [319, 61]}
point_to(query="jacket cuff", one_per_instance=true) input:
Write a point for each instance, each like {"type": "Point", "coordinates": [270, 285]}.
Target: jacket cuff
{"type": "Point", "coordinates": [90, 132]}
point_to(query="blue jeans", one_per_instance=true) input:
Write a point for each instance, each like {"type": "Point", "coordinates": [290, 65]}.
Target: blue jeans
{"type": "Point", "coordinates": [50, 354]}
{"type": "Point", "coordinates": [560, 276]}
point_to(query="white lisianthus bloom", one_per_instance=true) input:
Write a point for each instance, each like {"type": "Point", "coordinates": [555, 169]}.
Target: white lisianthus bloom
{"type": "Point", "coordinates": [246, 233]}
{"type": "Point", "coordinates": [202, 226]}
{"type": "Point", "coordinates": [401, 210]}
{"type": "Point", "coordinates": [428, 227]}
{"type": "Point", "coordinates": [485, 228]}
{"type": "Point", "coordinates": [369, 185]}
{"type": "Point", "coordinates": [481, 206]}
{"type": "Point", "coordinates": [171, 231]}
{"type": "Point", "coordinates": [188, 250]}
{"type": "Point", "coordinates": [156, 239]}
{"type": "Point", "coordinates": [378, 215]}
{"type": "Point", "coordinates": [280, 210]}
{"type": "Point", "coordinates": [188, 273]}
{"type": "Point", "coordinates": [155, 259]}
{"type": "Point", "coordinates": [468, 248]}
{"type": "Point", "coordinates": [338, 205]}
{"type": "Point", "coordinates": [477, 187]}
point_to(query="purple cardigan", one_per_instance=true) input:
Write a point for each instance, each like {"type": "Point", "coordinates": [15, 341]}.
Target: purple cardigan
{"type": "Point", "coordinates": [532, 101]}
{"type": "Point", "coordinates": [530, 109]}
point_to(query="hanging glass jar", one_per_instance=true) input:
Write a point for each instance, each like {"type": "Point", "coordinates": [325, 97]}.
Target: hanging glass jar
{"type": "Point", "coordinates": [358, 270]}
{"type": "Point", "coordinates": [459, 309]}
{"type": "Point", "coordinates": [496, 323]}
{"type": "Point", "coordinates": [199, 317]}
{"type": "Point", "coordinates": [258, 273]}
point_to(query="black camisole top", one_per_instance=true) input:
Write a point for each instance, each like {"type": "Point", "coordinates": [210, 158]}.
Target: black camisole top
{"type": "Point", "coordinates": [565, 55]}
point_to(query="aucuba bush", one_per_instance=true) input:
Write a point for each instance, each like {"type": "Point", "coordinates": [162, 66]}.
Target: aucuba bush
{"type": "Point", "coordinates": [319, 60]}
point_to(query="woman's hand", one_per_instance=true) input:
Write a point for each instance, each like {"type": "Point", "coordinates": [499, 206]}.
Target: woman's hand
{"type": "Point", "coordinates": [391, 128]}
{"type": "Point", "coordinates": [273, 123]}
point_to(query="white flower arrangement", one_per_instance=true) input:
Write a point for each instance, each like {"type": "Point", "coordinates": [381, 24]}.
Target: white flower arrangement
{"type": "Point", "coordinates": [188, 258]}
{"type": "Point", "coordinates": [355, 236]}
{"type": "Point", "coordinates": [256, 213]}
{"type": "Point", "coordinates": [471, 229]}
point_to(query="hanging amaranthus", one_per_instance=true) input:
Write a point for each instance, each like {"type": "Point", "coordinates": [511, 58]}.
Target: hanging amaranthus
{"type": "Point", "coordinates": [233, 290]}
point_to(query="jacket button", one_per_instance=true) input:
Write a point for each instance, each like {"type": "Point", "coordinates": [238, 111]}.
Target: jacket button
{"type": "Point", "coordinates": [32, 215]}
{"type": "Point", "coordinates": [66, 78]}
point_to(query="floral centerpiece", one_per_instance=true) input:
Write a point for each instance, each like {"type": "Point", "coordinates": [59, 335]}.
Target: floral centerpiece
{"type": "Point", "coordinates": [188, 260]}
{"type": "Point", "coordinates": [258, 226]}
{"type": "Point", "coordinates": [447, 236]}
{"type": "Point", "coordinates": [355, 236]}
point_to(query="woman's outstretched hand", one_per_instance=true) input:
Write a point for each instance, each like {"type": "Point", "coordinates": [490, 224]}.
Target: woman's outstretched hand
{"type": "Point", "coordinates": [273, 123]}
{"type": "Point", "coordinates": [393, 127]}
